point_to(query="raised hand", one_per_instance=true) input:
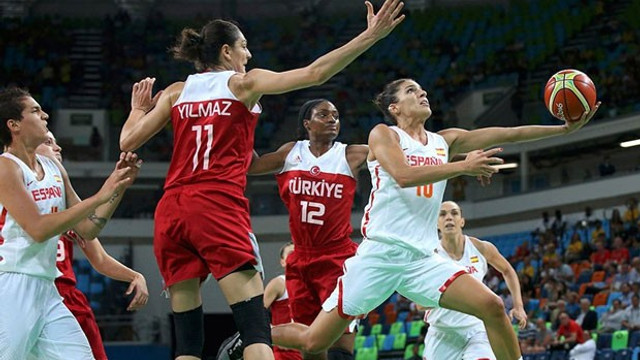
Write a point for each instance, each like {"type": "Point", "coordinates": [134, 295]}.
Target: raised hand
{"type": "Point", "coordinates": [520, 315]}
{"type": "Point", "coordinates": [479, 162]}
{"type": "Point", "coordinates": [141, 95]}
{"type": "Point", "coordinates": [139, 286]}
{"type": "Point", "coordinates": [130, 160]}
{"type": "Point", "coordinates": [382, 23]}
{"type": "Point", "coordinates": [573, 126]}
{"type": "Point", "coordinates": [120, 179]}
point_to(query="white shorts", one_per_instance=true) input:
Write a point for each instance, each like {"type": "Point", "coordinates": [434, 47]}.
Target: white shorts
{"type": "Point", "coordinates": [379, 269]}
{"type": "Point", "coordinates": [466, 344]}
{"type": "Point", "coordinates": [35, 324]}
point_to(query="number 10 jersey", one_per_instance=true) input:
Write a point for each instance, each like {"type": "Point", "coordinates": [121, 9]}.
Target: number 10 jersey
{"type": "Point", "coordinates": [318, 191]}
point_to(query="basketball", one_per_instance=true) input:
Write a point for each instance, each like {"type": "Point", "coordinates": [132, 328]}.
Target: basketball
{"type": "Point", "coordinates": [568, 94]}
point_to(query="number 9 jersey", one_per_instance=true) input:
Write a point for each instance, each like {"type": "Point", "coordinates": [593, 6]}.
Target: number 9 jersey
{"type": "Point", "coordinates": [318, 191]}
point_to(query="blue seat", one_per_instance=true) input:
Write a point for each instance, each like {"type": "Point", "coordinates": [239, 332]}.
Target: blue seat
{"type": "Point", "coordinates": [543, 356]}
{"type": "Point", "coordinates": [387, 345]}
{"type": "Point", "coordinates": [584, 277]}
{"type": "Point", "coordinates": [534, 304]}
{"type": "Point", "coordinates": [634, 339]}
{"type": "Point", "coordinates": [605, 354]}
{"type": "Point", "coordinates": [612, 296]}
{"type": "Point", "coordinates": [82, 283]}
{"type": "Point", "coordinates": [636, 353]}
{"type": "Point", "coordinates": [369, 341]}
{"type": "Point", "coordinates": [604, 341]}
{"type": "Point", "coordinates": [558, 355]}
{"type": "Point", "coordinates": [623, 354]}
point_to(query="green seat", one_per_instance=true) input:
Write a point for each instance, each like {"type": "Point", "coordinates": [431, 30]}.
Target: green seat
{"type": "Point", "coordinates": [360, 330]}
{"type": "Point", "coordinates": [380, 340]}
{"type": "Point", "coordinates": [415, 328]}
{"type": "Point", "coordinates": [359, 341]}
{"type": "Point", "coordinates": [400, 342]}
{"type": "Point", "coordinates": [408, 351]}
{"type": "Point", "coordinates": [367, 354]}
{"type": "Point", "coordinates": [397, 328]}
{"type": "Point", "coordinates": [516, 328]}
{"type": "Point", "coordinates": [376, 329]}
{"type": "Point", "coordinates": [421, 350]}
{"type": "Point", "coordinates": [594, 336]}
{"type": "Point", "coordinates": [620, 340]}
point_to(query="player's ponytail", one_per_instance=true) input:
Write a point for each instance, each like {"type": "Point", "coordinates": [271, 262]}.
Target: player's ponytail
{"type": "Point", "coordinates": [203, 48]}
{"type": "Point", "coordinates": [388, 97]}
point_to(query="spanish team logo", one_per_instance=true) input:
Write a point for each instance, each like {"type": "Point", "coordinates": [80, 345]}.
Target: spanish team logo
{"type": "Point", "coordinates": [315, 170]}
{"type": "Point", "coordinates": [57, 178]}
{"type": "Point", "coordinates": [474, 259]}
{"type": "Point", "coordinates": [441, 152]}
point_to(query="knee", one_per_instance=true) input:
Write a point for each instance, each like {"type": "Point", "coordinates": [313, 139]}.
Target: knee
{"type": "Point", "coordinates": [492, 308]}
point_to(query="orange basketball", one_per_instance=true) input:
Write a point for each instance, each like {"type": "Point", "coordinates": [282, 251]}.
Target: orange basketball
{"type": "Point", "coordinates": [568, 94]}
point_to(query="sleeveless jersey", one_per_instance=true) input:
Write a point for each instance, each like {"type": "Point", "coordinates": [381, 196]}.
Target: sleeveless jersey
{"type": "Point", "coordinates": [318, 192]}
{"type": "Point", "coordinates": [213, 135]}
{"type": "Point", "coordinates": [280, 311]}
{"type": "Point", "coordinates": [64, 259]}
{"type": "Point", "coordinates": [18, 251]}
{"type": "Point", "coordinates": [476, 265]}
{"type": "Point", "coordinates": [406, 216]}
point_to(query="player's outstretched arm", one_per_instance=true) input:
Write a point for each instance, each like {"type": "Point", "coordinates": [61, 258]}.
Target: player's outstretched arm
{"type": "Point", "coordinates": [41, 227]}
{"type": "Point", "coordinates": [495, 259]}
{"type": "Point", "coordinates": [93, 224]}
{"type": "Point", "coordinates": [148, 114]}
{"type": "Point", "coordinates": [106, 265]}
{"type": "Point", "coordinates": [271, 162]}
{"type": "Point", "coordinates": [257, 82]}
{"type": "Point", "coordinates": [461, 141]}
{"type": "Point", "coordinates": [384, 146]}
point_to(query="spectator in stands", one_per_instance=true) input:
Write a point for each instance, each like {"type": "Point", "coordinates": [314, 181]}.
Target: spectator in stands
{"type": "Point", "coordinates": [634, 248]}
{"type": "Point", "coordinates": [631, 320]}
{"type": "Point", "coordinates": [569, 334]}
{"type": "Point", "coordinates": [522, 251]}
{"type": "Point", "coordinates": [587, 318]}
{"type": "Point", "coordinates": [631, 214]}
{"type": "Point", "coordinates": [612, 320]}
{"type": "Point", "coordinates": [559, 224]}
{"type": "Point", "coordinates": [550, 254]}
{"type": "Point", "coordinates": [601, 255]}
{"type": "Point", "coordinates": [606, 168]}
{"type": "Point", "coordinates": [574, 250]}
{"type": "Point", "coordinates": [557, 308]}
{"type": "Point", "coordinates": [526, 286]}
{"type": "Point", "coordinates": [627, 294]}
{"type": "Point", "coordinates": [545, 223]}
{"type": "Point", "coordinates": [623, 276]}
{"type": "Point", "coordinates": [588, 219]}
{"type": "Point", "coordinates": [584, 351]}
{"type": "Point", "coordinates": [573, 304]}
{"type": "Point", "coordinates": [544, 335]}
{"type": "Point", "coordinates": [616, 224]}
{"type": "Point", "coordinates": [634, 272]}
{"type": "Point", "coordinates": [563, 271]}
{"type": "Point", "coordinates": [527, 267]}
{"type": "Point", "coordinates": [492, 280]}
{"type": "Point", "coordinates": [598, 232]}
{"type": "Point", "coordinates": [619, 253]}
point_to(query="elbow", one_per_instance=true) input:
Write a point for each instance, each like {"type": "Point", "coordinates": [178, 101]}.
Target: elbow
{"type": "Point", "coordinates": [317, 76]}
{"type": "Point", "coordinates": [126, 144]}
{"type": "Point", "coordinates": [403, 181]}
{"type": "Point", "coordinates": [37, 236]}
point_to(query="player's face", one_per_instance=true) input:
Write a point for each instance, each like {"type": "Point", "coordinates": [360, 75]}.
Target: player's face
{"type": "Point", "coordinates": [33, 124]}
{"type": "Point", "coordinates": [50, 148]}
{"type": "Point", "coordinates": [412, 101]}
{"type": "Point", "coordinates": [240, 54]}
{"type": "Point", "coordinates": [325, 120]}
{"type": "Point", "coordinates": [285, 254]}
{"type": "Point", "coordinates": [450, 220]}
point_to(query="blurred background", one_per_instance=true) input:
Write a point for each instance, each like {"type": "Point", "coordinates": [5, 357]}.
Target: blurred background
{"type": "Point", "coordinates": [483, 63]}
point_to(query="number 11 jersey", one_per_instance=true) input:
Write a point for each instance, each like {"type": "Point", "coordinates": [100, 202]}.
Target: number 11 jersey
{"type": "Point", "coordinates": [318, 191]}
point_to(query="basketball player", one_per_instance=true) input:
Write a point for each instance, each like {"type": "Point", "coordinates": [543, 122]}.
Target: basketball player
{"type": "Point", "coordinates": [276, 298]}
{"type": "Point", "coordinates": [451, 334]}
{"type": "Point", "coordinates": [37, 204]}
{"type": "Point", "coordinates": [409, 166]}
{"type": "Point", "coordinates": [73, 298]}
{"type": "Point", "coordinates": [316, 181]}
{"type": "Point", "coordinates": [202, 221]}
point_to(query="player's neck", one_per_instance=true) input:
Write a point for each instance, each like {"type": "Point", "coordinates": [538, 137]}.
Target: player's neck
{"type": "Point", "coordinates": [415, 129]}
{"type": "Point", "coordinates": [24, 153]}
{"type": "Point", "coordinates": [320, 146]}
{"type": "Point", "coordinates": [454, 245]}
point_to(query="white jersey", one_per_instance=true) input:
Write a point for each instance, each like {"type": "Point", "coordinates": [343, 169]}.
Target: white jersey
{"type": "Point", "coordinates": [406, 216]}
{"type": "Point", "coordinates": [476, 265]}
{"type": "Point", "coordinates": [18, 251]}
{"type": "Point", "coordinates": [285, 294]}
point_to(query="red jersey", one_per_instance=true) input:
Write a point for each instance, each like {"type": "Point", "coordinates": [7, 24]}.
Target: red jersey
{"type": "Point", "coordinates": [64, 259]}
{"type": "Point", "coordinates": [571, 328]}
{"type": "Point", "coordinates": [318, 191]}
{"type": "Point", "coordinates": [213, 135]}
{"type": "Point", "coordinates": [280, 311]}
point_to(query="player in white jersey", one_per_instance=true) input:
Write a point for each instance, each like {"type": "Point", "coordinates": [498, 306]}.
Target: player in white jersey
{"type": "Point", "coordinates": [409, 167]}
{"type": "Point", "coordinates": [452, 334]}
{"type": "Point", "coordinates": [37, 204]}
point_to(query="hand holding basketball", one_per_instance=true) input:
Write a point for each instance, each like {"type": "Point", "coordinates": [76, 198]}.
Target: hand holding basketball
{"type": "Point", "coordinates": [570, 95]}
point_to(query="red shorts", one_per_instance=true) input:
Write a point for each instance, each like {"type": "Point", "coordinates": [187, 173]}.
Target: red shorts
{"type": "Point", "coordinates": [286, 354]}
{"type": "Point", "coordinates": [312, 275]}
{"type": "Point", "coordinates": [79, 306]}
{"type": "Point", "coordinates": [199, 231]}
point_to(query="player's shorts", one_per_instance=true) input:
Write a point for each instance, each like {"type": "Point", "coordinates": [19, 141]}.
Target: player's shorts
{"type": "Point", "coordinates": [469, 343]}
{"type": "Point", "coordinates": [199, 231]}
{"type": "Point", "coordinates": [378, 269]}
{"type": "Point", "coordinates": [35, 324]}
{"type": "Point", "coordinates": [75, 300]}
{"type": "Point", "coordinates": [286, 354]}
{"type": "Point", "coordinates": [312, 275]}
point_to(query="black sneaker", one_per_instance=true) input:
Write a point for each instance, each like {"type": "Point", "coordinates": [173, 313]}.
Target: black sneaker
{"type": "Point", "coordinates": [231, 349]}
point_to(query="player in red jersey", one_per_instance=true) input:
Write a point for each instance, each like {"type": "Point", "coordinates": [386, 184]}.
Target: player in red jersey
{"type": "Point", "coordinates": [276, 298]}
{"type": "Point", "coordinates": [73, 298]}
{"type": "Point", "coordinates": [316, 182]}
{"type": "Point", "coordinates": [202, 221]}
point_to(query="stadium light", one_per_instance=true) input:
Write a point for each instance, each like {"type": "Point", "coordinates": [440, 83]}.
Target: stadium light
{"type": "Point", "coordinates": [512, 165]}
{"type": "Point", "coordinates": [631, 143]}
